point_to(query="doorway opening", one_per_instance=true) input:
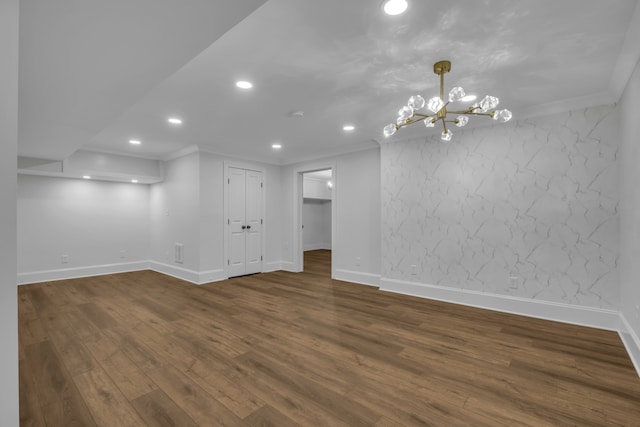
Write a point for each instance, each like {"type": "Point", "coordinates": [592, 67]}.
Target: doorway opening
{"type": "Point", "coordinates": [315, 193]}
{"type": "Point", "coordinates": [317, 189]}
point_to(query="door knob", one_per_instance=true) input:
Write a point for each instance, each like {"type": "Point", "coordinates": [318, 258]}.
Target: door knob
{"type": "Point", "coordinates": [248, 227]}
{"type": "Point", "coordinates": [243, 227]}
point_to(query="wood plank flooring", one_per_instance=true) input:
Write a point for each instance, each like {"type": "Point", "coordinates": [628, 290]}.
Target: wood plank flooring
{"type": "Point", "coordinates": [284, 349]}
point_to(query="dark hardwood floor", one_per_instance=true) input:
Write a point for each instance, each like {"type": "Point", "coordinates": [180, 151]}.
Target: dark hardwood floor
{"type": "Point", "coordinates": [282, 349]}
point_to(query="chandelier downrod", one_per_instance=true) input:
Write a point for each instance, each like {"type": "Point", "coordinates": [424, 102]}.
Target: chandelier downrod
{"type": "Point", "coordinates": [409, 114]}
{"type": "Point", "coordinates": [441, 68]}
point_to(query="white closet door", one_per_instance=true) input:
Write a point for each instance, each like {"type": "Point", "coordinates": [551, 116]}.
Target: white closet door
{"type": "Point", "coordinates": [235, 212]}
{"type": "Point", "coordinates": [244, 223]}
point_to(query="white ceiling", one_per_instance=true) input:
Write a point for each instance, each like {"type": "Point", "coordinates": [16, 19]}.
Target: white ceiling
{"type": "Point", "coordinates": [83, 63]}
{"type": "Point", "coordinates": [96, 74]}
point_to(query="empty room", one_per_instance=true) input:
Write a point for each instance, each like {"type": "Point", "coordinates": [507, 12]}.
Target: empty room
{"type": "Point", "coordinates": [319, 213]}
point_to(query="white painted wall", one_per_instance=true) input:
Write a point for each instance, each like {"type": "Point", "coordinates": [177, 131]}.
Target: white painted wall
{"type": "Point", "coordinates": [104, 227]}
{"type": "Point", "coordinates": [274, 214]}
{"type": "Point", "coordinates": [314, 188]}
{"type": "Point", "coordinates": [358, 241]}
{"type": "Point", "coordinates": [175, 216]}
{"type": "Point", "coordinates": [187, 207]}
{"type": "Point", "coordinates": [630, 215]}
{"type": "Point", "coordinates": [356, 195]}
{"type": "Point", "coordinates": [211, 214]}
{"type": "Point", "coordinates": [94, 223]}
{"type": "Point", "coordinates": [316, 217]}
{"type": "Point", "coordinates": [9, 408]}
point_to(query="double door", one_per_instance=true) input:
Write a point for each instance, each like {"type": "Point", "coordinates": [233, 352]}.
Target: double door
{"type": "Point", "coordinates": [244, 221]}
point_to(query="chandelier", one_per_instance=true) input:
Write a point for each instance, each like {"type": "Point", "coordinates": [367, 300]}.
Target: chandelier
{"type": "Point", "coordinates": [411, 113]}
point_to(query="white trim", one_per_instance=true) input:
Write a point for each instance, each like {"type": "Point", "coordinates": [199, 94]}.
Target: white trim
{"type": "Point", "coordinates": [122, 178]}
{"type": "Point", "coordinates": [298, 246]}
{"type": "Point", "coordinates": [358, 277]}
{"type": "Point", "coordinates": [177, 272]}
{"type": "Point", "coordinates": [268, 267]}
{"type": "Point", "coordinates": [288, 266]}
{"type": "Point", "coordinates": [559, 312]}
{"type": "Point", "coordinates": [121, 153]}
{"type": "Point", "coordinates": [561, 106]}
{"type": "Point", "coordinates": [211, 276]}
{"type": "Point", "coordinates": [195, 277]}
{"type": "Point", "coordinates": [317, 246]}
{"type": "Point", "coordinates": [182, 152]}
{"type": "Point", "coordinates": [335, 151]}
{"type": "Point", "coordinates": [78, 272]}
{"type": "Point", "coordinates": [631, 342]}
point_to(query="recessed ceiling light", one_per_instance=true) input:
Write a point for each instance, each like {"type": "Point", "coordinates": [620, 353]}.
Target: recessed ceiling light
{"type": "Point", "coordinates": [349, 128]}
{"type": "Point", "coordinates": [174, 120]}
{"type": "Point", "coordinates": [395, 7]}
{"type": "Point", "coordinates": [243, 84]}
{"type": "Point", "coordinates": [86, 177]}
{"type": "Point", "coordinates": [468, 98]}
{"type": "Point", "coordinates": [134, 141]}
{"type": "Point", "coordinates": [276, 146]}
{"type": "Point", "coordinates": [135, 181]}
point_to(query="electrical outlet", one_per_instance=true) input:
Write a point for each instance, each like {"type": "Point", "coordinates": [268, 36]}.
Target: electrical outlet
{"type": "Point", "coordinates": [358, 259]}
{"type": "Point", "coordinates": [178, 253]}
{"type": "Point", "coordinates": [513, 282]}
{"type": "Point", "coordinates": [64, 259]}
{"type": "Point", "coordinates": [414, 269]}
{"type": "Point", "coordinates": [123, 253]}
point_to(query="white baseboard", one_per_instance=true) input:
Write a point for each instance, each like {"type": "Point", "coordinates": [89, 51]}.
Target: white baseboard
{"type": "Point", "coordinates": [567, 313]}
{"type": "Point", "coordinates": [288, 266]}
{"type": "Point", "coordinates": [196, 277]}
{"type": "Point", "coordinates": [177, 272]}
{"type": "Point", "coordinates": [78, 272]}
{"type": "Point", "coordinates": [268, 267]}
{"type": "Point", "coordinates": [631, 342]}
{"type": "Point", "coordinates": [357, 277]}
{"type": "Point", "coordinates": [211, 276]}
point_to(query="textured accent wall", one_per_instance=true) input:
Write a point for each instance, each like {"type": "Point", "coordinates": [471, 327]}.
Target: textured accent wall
{"type": "Point", "coordinates": [535, 200]}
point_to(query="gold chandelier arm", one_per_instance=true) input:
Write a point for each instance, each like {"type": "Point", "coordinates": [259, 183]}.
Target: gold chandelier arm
{"type": "Point", "coordinates": [471, 112]}
{"type": "Point", "coordinates": [414, 119]}
{"type": "Point", "coordinates": [490, 114]}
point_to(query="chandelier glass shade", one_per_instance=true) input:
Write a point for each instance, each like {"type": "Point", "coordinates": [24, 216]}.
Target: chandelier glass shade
{"type": "Point", "coordinates": [435, 109]}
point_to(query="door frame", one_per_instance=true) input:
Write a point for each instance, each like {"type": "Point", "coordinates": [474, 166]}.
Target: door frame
{"type": "Point", "coordinates": [298, 246]}
{"type": "Point", "coordinates": [225, 205]}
